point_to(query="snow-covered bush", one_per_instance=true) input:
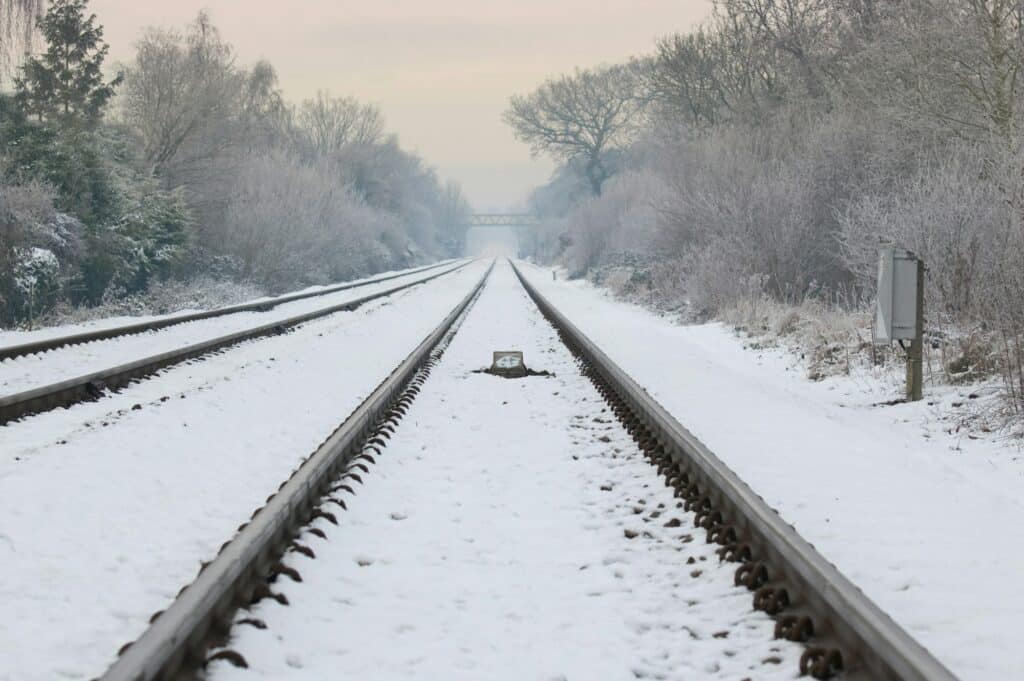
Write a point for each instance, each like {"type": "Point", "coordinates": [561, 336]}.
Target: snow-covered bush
{"type": "Point", "coordinates": [36, 280]}
{"type": "Point", "coordinates": [290, 223]}
{"type": "Point", "coordinates": [31, 235]}
{"type": "Point", "coordinates": [618, 224]}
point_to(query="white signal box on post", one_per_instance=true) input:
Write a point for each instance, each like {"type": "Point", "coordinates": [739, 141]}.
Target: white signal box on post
{"type": "Point", "coordinates": [896, 309]}
{"type": "Point", "coordinates": [899, 310]}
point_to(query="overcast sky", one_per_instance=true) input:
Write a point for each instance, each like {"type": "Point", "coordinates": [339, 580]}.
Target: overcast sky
{"type": "Point", "coordinates": [441, 70]}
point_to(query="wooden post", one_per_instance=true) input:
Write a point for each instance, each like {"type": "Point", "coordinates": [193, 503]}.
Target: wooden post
{"type": "Point", "coordinates": [915, 355]}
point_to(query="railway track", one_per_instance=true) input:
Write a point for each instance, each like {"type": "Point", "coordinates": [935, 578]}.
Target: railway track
{"type": "Point", "coordinates": [94, 384]}
{"type": "Point", "coordinates": [842, 632]}
{"type": "Point", "coordinates": [47, 344]}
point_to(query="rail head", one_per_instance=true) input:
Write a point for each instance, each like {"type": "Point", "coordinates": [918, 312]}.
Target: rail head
{"type": "Point", "coordinates": [876, 641]}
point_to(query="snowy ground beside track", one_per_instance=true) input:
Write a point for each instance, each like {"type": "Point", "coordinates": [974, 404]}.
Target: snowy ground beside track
{"type": "Point", "coordinates": [492, 541]}
{"type": "Point", "coordinates": [106, 511]}
{"type": "Point", "coordinates": [929, 523]}
{"type": "Point", "coordinates": [32, 371]}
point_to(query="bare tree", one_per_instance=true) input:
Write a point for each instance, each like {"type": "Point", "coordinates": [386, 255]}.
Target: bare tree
{"type": "Point", "coordinates": [952, 65]}
{"type": "Point", "coordinates": [330, 123]}
{"type": "Point", "coordinates": [178, 85]}
{"type": "Point", "coordinates": [804, 31]}
{"type": "Point", "coordinates": [453, 213]}
{"type": "Point", "coordinates": [582, 116]}
{"type": "Point", "coordinates": [199, 114]}
{"type": "Point", "coordinates": [685, 78]}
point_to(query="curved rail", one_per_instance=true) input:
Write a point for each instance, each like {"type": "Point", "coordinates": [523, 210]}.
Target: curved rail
{"type": "Point", "coordinates": [92, 385]}
{"type": "Point", "coordinates": [33, 347]}
{"type": "Point", "coordinates": [812, 601]}
{"type": "Point", "coordinates": [177, 639]}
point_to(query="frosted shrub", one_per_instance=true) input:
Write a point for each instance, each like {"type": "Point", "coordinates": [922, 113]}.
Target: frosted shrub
{"type": "Point", "coordinates": [36, 280]}
{"type": "Point", "coordinates": [291, 224]}
{"type": "Point", "coordinates": [947, 213]}
{"type": "Point", "coordinates": [621, 221]}
{"type": "Point", "coordinates": [31, 275]}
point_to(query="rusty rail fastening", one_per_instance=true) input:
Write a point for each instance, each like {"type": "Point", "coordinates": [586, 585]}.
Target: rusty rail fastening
{"type": "Point", "coordinates": [178, 639]}
{"type": "Point", "coordinates": [34, 347]}
{"type": "Point", "coordinates": [93, 385]}
{"type": "Point", "coordinates": [812, 602]}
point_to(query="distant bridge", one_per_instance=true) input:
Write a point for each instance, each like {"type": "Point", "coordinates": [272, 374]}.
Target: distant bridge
{"type": "Point", "coordinates": [503, 220]}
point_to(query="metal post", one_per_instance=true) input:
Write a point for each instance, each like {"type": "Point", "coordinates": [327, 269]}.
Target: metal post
{"type": "Point", "coordinates": [915, 355]}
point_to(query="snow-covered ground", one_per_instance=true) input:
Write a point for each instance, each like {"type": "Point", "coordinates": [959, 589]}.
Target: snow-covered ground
{"type": "Point", "coordinates": [510, 530]}
{"type": "Point", "coordinates": [929, 522]}
{"type": "Point", "coordinates": [33, 371]}
{"type": "Point", "coordinates": [487, 548]}
{"type": "Point", "coordinates": [107, 508]}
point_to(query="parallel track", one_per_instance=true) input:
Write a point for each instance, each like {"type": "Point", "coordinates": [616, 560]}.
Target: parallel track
{"type": "Point", "coordinates": [844, 633]}
{"type": "Point", "coordinates": [93, 385]}
{"type": "Point", "coordinates": [34, 347]}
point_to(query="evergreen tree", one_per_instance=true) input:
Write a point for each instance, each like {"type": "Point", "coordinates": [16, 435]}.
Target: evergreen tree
{"type": "Point", "coordinates": [65, 83]}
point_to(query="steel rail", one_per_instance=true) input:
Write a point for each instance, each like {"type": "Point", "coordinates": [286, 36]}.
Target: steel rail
{"type": "Point", "coordinates": [870, 644]}
{"type": "Point", "coordinates": [92, 385]}
{"type": "Point", "coordinates": [33, 347]}
{"type": "Point", "coordinates": [175, 639]}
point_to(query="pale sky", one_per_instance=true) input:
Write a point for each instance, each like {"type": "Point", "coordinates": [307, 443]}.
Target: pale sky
{"type": "Point", "coordinates": [441, 70]}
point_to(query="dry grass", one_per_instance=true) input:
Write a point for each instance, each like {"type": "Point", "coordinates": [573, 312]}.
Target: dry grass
{"type": "Point", "coordinates": [831, 341]}
{"type": "Point", "coordinates": [834, 341]}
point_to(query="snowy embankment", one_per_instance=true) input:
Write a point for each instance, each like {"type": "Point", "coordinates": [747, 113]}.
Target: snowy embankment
{"type": "Point", "coordinates": [33, 371]}
{"type": "Point", "coordinates": [510, 530]}
{"type": "Point", "coordinates": [107, 508]}
{"type": "Point", "coordinates": [930, 524]}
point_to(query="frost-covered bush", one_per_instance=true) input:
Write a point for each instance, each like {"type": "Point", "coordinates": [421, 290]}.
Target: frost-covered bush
{"type": "Point", "coordinates": [619, 223]}
{"type": "Point", "coordinates": [32, 233]}
{"type": "Point", "coordinates": [946, 212]}
{"type": "Point", "coordinates": [36, 280]}
{"type": "Point", "coordinates": [290, 224]}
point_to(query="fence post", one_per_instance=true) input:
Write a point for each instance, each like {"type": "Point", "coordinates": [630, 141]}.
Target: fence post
{"type": "Point", "coordinates": [915, 356]}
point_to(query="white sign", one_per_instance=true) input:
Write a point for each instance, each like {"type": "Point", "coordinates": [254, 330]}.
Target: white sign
{"type": "Point", "coordinates": [507, 360]}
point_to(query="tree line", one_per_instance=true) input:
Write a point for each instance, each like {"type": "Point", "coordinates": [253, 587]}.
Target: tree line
{"type": "Point", "coordinates": [768, 154]}
{"type": "Point", "coordinates": [186, 163]}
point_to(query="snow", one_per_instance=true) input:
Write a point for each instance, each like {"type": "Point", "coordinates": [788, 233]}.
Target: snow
{"type": "Point", "coordinates": [106, 510]}
{"type": "Point", "coordinates": [928, 522]}
{"type": "Point", "coordinates": [490, 542]}
{"type": "Point", "coordinates": [32, 371]}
